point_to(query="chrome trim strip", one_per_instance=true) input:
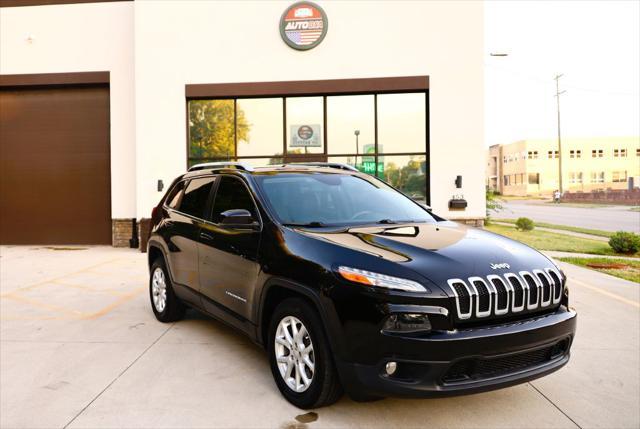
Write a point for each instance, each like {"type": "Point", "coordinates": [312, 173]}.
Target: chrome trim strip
{"type": "Point", "coordinates": [422, 309]}
{"type": "Point", "coordinates": [555, 287]}
{"type": "Point", "coordinates": [507, 286]}
{"type": "Point", "coordinates": [513, 301]}
{"type": "Point", "coordinates": [490, 290]}
{"type": "Point", "coordinates": [544, 303]}
{"type": "Point", "coordinates": [461, 315]}
{"type": "Point", "coordinates": [538, 286]}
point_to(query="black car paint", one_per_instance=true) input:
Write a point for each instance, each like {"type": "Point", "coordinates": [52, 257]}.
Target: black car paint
{"type": "Point", "coordinates": [252, 262]}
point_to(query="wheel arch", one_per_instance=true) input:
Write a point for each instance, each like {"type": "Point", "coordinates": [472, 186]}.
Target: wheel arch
{"type": "Point", "coordinates": [154, 253]}
{"type": "Point", "coordinates": [277, 290]}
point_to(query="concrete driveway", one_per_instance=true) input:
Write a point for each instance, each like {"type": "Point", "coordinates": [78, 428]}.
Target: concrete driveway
{"type": "Point", "coordinates": [608, 218]}
{"type": "Point", "coordinates": [80, 348]}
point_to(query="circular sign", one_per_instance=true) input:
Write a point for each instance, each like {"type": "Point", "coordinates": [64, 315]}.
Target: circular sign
{"type": "Point", "coordinates": [303, 25]}
{"type": "Point", "coordinates": [305, 132]}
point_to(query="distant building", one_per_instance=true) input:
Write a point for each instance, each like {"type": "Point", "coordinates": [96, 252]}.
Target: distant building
{"type": "Point", "coordinates": [530, 167]}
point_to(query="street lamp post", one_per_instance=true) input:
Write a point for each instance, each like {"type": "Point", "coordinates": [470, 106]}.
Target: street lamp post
{"type": "Point", "coordinates": [558, 93]}
{"type": "Point", "coordinates": [357, 133]}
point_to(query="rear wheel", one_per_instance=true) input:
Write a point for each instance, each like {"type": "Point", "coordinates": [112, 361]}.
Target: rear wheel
{"type": "Point", "coordinates": [166, 306]}
{"type": "Point", "coordinates": [301, 361]}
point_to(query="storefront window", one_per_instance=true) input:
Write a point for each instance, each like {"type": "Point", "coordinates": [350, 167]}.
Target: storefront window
{"type": "Point", "coordinates": [406, 173]}
{"type": "Point", "coordinates": [211, 129]}
{"type": "Point", "coordinates": [305, 119]}
{"type": "Point", "coordinates": [259, 126]}
{"type": "Point", "coordinates": [402, 123]}
{"type": "Point", "coordinates": [391, 145]}
{"type": "Point", "coordinates": [351, 124]}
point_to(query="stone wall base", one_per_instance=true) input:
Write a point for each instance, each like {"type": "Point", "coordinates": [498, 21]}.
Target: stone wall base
{"type": "Point", "coordinates": [121, 232]}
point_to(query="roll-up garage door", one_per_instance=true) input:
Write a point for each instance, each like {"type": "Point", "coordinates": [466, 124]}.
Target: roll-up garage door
{"type": "Point", "coordinates": [55, 185]}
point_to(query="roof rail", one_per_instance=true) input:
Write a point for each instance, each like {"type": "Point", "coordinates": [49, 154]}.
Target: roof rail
{"type": "Point", "coordinates": [339, 165]}
{"type": "Point", "coordinates": [220, 165]}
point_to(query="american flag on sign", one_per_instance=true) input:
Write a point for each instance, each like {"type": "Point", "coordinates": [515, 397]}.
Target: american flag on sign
{"type": "Point", "coordinates": [303, 37]}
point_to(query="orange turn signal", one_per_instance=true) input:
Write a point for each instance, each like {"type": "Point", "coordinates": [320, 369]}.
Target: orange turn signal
{"type": "Point", "coordinates": [355, 277]}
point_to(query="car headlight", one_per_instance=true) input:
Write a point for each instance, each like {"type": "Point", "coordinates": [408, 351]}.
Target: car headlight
{"type": "Point", "coordinates": [380, 280]}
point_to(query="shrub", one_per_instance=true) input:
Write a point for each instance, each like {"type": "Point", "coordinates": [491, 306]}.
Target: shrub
{"type": "Point", "coordinates": [625, 242]}
{"type": "Point", "coordinates": [524, 224]}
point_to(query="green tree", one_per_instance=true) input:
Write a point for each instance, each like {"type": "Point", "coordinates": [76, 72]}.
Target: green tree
{"type": "Point", "coordinates": [211, 128]}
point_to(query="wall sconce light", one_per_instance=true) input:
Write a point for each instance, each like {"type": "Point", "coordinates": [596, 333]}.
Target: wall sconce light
{"type": "Point", "coordinates": [458, 182]}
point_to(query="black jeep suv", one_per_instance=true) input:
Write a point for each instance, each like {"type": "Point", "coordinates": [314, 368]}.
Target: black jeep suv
{"type": "Point", "coordinates": [350, 284]}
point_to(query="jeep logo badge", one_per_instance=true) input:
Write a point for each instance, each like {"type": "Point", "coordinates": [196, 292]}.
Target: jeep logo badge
{"type": "Point", "coordinates": [502, 266]}
{"type": "Point", "coordinates": [303, 25]}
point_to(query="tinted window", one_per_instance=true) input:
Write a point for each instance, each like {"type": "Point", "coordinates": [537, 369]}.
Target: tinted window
{"type": "Point", "coordinates": [195, 196]}
{"type": "Point", "coordinates": [232, 194]}
{"type": "Point", "coordinates": [336, 199]}
{"type": "Point", "coordinates": [175, 196]}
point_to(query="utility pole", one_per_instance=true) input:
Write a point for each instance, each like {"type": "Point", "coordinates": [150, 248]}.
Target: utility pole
{"type": "Point", "coordinates": [558, 93]}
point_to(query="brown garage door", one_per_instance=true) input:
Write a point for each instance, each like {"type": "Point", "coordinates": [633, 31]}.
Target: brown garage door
{"type": "Point", "coordinates": [55, 185]}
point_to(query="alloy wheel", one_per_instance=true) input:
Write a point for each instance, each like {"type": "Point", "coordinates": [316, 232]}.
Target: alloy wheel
{"type": "Point", "coordinates": [159, 290]}
{"type": "Point", "coordinates": [294, 354]}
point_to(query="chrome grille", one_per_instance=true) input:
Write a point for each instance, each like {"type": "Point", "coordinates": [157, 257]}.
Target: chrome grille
{"type": "Point", "coordinates": [497, 295]}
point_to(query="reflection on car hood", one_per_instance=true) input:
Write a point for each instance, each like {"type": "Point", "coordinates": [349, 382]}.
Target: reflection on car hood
{"type": "Point", "coordinates": [438, 251]}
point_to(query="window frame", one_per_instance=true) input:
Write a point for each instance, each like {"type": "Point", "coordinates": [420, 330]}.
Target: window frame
{"type": "Point", "coordinates": [323, 88]}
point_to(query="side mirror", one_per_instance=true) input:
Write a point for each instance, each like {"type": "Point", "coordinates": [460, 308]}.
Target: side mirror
{"type": "Point", "coordinates": [426, 207]}
{"type": "Point", "coordinates": [236, 217]}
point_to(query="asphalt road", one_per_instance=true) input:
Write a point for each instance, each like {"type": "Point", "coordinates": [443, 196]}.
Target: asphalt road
{"type": "Point", "coordinates": [609, 218]}
{"type": "Point", "coordinates": [80, 348]}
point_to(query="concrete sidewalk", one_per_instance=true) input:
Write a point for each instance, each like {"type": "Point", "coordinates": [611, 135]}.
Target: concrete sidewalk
{"type": "Point", "coordinates": [80, 348]}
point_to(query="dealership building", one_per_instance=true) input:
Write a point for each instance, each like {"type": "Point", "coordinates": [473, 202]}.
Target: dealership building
{"type": "Point", "coordinates": [104, 103]}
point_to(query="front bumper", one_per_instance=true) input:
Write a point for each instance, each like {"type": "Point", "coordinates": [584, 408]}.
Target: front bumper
{"type": "Point", "coordinates": [466, 361]}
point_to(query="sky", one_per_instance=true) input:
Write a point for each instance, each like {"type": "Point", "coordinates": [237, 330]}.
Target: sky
{"type": "Point", "coordinates": [594, 44]}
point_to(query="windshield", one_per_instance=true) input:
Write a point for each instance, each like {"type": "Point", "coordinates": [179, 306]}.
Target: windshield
{"type": "Point", "coordinates": [322, 199]}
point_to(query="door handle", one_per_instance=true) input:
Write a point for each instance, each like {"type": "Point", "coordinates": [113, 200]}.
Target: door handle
{"type": "Point", "coordinates": [206, 236]}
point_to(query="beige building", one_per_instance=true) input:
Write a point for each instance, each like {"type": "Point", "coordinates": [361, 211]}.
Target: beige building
{"type": "Point", "coordinates": [531, 167]}
{"type": "Point", "coordinates": [164, 84]}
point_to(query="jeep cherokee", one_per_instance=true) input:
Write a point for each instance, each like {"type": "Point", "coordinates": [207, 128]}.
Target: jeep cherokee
{"type": "Point", "coordinates": [349, 284]}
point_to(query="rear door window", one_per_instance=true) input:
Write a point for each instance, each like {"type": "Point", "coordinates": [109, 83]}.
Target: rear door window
{"type": "Point", "coordinates": [196, 196]}
{"type": "Point", "coordinates": [175, 196]}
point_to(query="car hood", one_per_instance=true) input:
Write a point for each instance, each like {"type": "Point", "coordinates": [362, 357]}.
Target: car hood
{"type": "Point", "coordinates": [439, 251]}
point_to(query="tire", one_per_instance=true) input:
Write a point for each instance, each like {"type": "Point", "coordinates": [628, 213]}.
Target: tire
{"type": "Point", "coordinates": [173, 309]}
{"type": "Point", "coordinates": [323, 387]}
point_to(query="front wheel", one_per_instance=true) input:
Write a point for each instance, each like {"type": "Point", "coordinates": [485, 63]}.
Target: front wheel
{"type": "Point", "coordinates": [301, 361]}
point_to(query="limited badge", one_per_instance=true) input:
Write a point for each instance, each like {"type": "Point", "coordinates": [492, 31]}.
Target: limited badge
{"type": "Point", "coordinates": [303, 25]}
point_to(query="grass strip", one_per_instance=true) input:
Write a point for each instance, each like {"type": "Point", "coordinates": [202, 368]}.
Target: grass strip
{"type": "Point", "coordinates": [598, 232]}
{"type": "Point", "coordinates": [547, 240]}
{"type": "Point", "coordinates": [631, 272]}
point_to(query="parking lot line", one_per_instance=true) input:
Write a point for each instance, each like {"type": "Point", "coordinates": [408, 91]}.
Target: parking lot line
{"type": "Point", "coordinates": [607, 293]}
{"type": "Point", "coordinates": [40, 283]}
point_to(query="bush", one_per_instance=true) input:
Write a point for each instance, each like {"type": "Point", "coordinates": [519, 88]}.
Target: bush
{"type": "Point", "coordinates": [625, 242]}
{"type": "Point", "coordinates": [524, 224]}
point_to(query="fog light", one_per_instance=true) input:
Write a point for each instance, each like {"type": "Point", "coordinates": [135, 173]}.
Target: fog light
{"type": "Point", "coordinates": [407, 323]}
{"type": "Point", "coordinates": [391, 367]}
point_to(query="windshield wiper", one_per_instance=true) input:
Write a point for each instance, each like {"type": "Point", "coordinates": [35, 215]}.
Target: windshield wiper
{"type": "Point", "coordinates": [313, 224]}
{"type": "Point", "coordinates": [395, 222]}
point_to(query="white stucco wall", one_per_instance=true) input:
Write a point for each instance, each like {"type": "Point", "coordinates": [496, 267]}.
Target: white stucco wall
{"type": "Point", "coordinates": [153, 48]}
{"type": "Point", "coordinates": [187, 42]}
{"type": "Point", "coordinates": [78, 38]}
